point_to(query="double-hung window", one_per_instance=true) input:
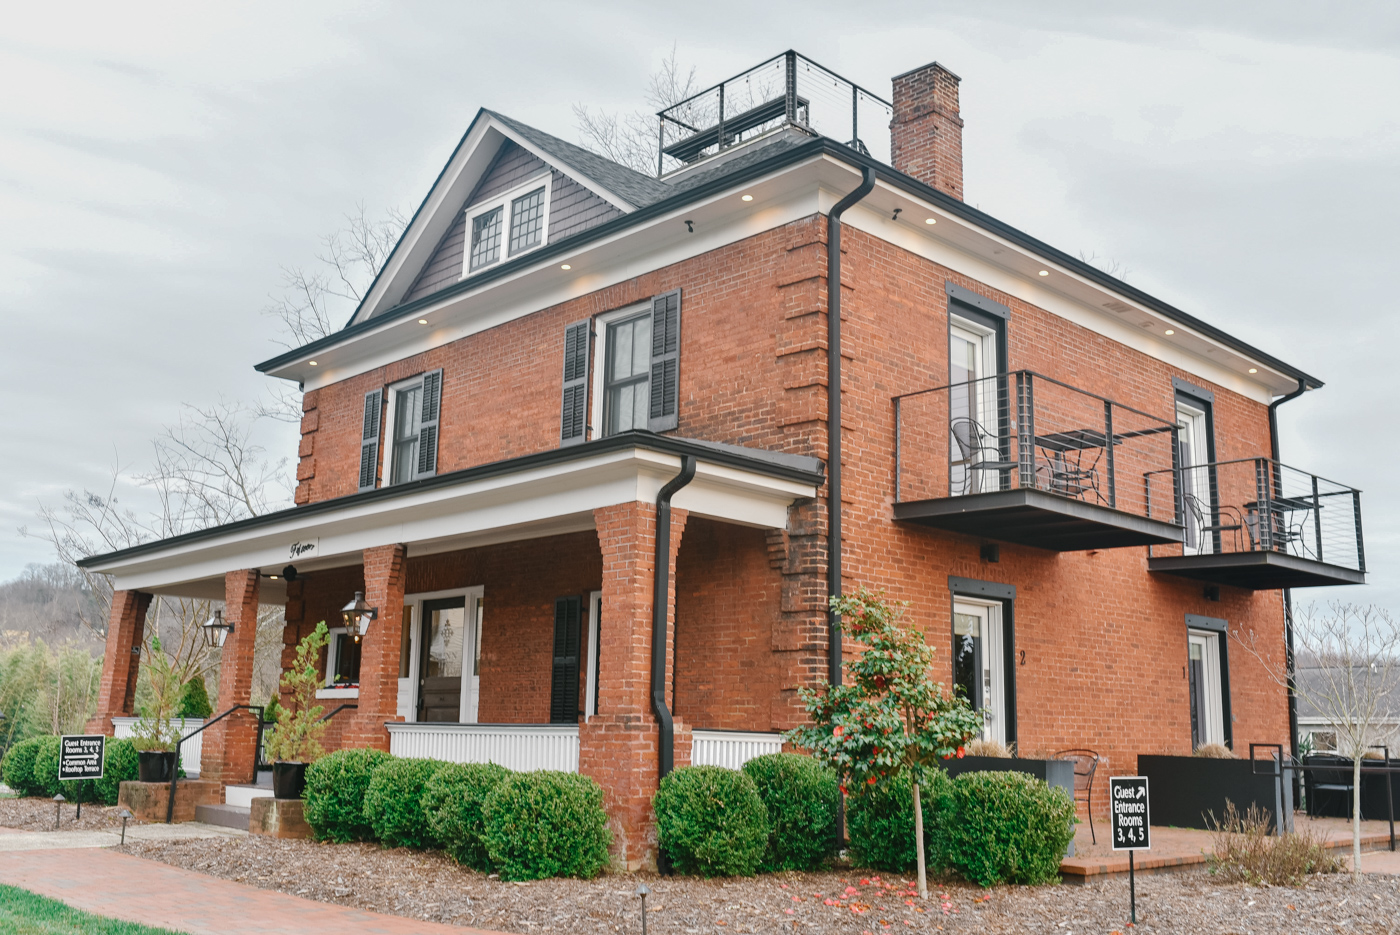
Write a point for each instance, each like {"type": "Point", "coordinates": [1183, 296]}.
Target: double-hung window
{"type": "Point", "coordinates": [627, 374]}
{"type": "Point", "coordinates": [507, 225]}
{"type": "Point", "coordinates": [410, 431]}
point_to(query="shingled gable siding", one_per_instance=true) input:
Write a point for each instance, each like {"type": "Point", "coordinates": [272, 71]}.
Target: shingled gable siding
{"type": "Point", "coordinates": [572, 208]}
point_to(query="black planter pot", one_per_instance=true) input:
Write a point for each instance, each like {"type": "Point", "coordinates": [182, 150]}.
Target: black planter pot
{"type": "Point", "coordinates": [155, 765]}
{"type": "Point", "coordinates": [288, 779]}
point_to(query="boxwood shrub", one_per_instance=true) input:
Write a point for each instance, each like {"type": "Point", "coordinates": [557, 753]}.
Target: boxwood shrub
{"type": "Point", "coordinates": [452, 800]}
{"type": "Point", "coordinates": [18, 766]}
{"type": "Point", "coordinates": [394, 802]}
{"type": "Point", "coordinates": [1010, 828]}
{"type": "Point", "coordinates": [880, 822]}
{"type": "Point", "coordinates": [120, 766]}
{"type": "Point", "coordinates": [546, 824]}
{"type": "Point", "coordinates": [802, 798]}
{"type": "Point", "coordinates": [711, 822]}
{"type": "Point", "coordinates": [335, 794]}
{"type": "Point", "coordinates": [46, 769]}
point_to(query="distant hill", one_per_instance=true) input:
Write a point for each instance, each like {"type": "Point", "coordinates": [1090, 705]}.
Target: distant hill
{"type": "Point", "coordinates": [49, 603]}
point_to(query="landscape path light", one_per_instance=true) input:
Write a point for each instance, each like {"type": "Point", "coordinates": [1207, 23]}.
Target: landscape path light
{"type": "Point", "coordinates": [642, 893]}
{"type": "Point", "coordinates": [58, 801]}
{"type": "Point", "coordinates": [216, 630]}
{"type": "Point", "coordinates": [357, 614]}
{"type": "Point", "coordinates": [124, 814]}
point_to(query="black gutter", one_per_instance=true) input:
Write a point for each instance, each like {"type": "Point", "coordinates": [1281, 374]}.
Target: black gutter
{"type": "Point", "coordinates": [660, 612]}
{"type": "Point", "coordinates": [821, 146]}
{"type": "Point", "coordinates": [1287, 592]}
{"type": "Point", "coordinates": [768, 463]}
{"type": "Point", "coordinates": [833, 415]}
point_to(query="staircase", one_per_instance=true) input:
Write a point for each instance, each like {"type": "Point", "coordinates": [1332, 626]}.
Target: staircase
{"type": "Point", "coordinates": [238, 801]}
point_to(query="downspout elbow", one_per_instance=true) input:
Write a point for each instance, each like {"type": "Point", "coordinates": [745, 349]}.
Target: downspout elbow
{"type": "Point", "coordinates": [660, 612]}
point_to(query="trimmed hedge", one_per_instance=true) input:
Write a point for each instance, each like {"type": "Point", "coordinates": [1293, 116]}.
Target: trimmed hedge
{"type": "Point", "coordinates": [120, 766]}
{"type": "Point", "coordinates": [1010, 828]}
{"type": "Point", "coordinates": [802, 798]}
{"type": "Point", "coordinates": [335, 794]}
{"type": "Point", "coordinates": [394, 802]}
{"type": "Point", "coordinates": [452, 800]}
{"type": "Point", "coordinates": [18, 766]}
{"type": "Point", "coordinates": [880, 822]}
{"type": "Point", "coordinates": [546, 824]}
{"type": "Point", "coordinates": [710, 821]}
{"type": "Point", "coordinates": [46, 769]}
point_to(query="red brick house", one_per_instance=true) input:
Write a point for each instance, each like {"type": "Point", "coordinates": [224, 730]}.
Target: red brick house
{"type": "Point", "coordinates": [575, 387]}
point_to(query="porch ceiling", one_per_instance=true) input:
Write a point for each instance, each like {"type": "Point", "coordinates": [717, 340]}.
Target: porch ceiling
{"type": "Point", "coordinates": [539, 495]}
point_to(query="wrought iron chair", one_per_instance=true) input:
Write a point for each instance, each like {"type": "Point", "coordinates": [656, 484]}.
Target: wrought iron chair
{"type": "Point", "coordinates": [979, 452]}
{"type": "Point", "coordinates": [1217, 520]}
{"type": "Point", "coordinates": [1086, 764]}
{"type": "Point", "coordinates": [1069, 474]}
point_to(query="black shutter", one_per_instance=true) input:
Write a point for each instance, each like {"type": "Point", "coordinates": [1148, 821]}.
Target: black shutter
{"type": "Point", "coordinates": [573, 417]}
{"type": "Point", "coordinates": [568, 619]}
{"type": "Point", "coordinates": [665, 361]}
{"type": "Point", "coordinates": [428, 431]}
{"type": "Point", "coordinates": [369, 440]}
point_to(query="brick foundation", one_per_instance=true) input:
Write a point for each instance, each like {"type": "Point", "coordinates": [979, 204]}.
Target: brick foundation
{"type": "Point", "coordinates": [148, 800]}
{"type": "Point", "coordinates": [278, 818]}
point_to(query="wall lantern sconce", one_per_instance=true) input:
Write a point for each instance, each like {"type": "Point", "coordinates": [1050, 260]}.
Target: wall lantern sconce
{"type": "Point", "coordinates": [216, 631]}
{"type": "Point", "coordinates": [357, 614]}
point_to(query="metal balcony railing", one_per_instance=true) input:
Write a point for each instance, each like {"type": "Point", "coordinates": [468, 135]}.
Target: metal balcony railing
{"type": "Point", "coordinates": [1260, 505]}
{"type": "Point", "coordinates": [786, 90]}
{"type": "Point", "coordinates": [1024, 431]}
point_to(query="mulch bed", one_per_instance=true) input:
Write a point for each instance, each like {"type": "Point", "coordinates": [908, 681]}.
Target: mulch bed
{"type": "Point", "coordinates": [428, 886]}
{"type": "Point", "coordinates": [36, 814]}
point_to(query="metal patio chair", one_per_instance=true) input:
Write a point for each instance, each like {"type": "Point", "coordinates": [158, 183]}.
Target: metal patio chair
{"type": "Point", "coordinates": [1086, 764]}
{"type": "Point", "coordinates": [980, 452]}
{"type": "Point", "coordinates": [1207, 521]}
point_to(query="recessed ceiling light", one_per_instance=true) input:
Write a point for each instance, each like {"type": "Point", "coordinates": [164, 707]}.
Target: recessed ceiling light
{"type": "Point", "coordinates": [1253, 369]}
{"type": "Point", "coordinates": [313, 363]}
{"type": "Point", "coordinates": [1045, 272]}
{"type": "Point", "coordinates": [1170, 331]}
{"type": "Point", "coordinates": [747, 198]}
{"type": "Point", "coordinates": [565, 266]}
{"type": "Point", "coordinates": [422, 321]}
{"type": "Point", "coordinates": [930, 220]}
{"type": "Point", "coordinates": [273, 577]}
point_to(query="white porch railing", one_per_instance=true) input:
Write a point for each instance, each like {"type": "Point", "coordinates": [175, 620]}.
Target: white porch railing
{"type": "Point", "coordinates": [731, 748]}
{"type": "Point", "coordinates": [519, 747]}
{"type": "Point", "coordinates": [190, 750]}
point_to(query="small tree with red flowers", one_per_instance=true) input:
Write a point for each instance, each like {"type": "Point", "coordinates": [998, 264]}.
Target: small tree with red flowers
{"type": "Point", "coordinates": [890, 716]}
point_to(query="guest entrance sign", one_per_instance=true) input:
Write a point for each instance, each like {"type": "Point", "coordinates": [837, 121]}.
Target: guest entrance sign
{"type": "Point", "coordinates": [81, 757]}
{"type": "Point", "coordinates": [1127, 795]}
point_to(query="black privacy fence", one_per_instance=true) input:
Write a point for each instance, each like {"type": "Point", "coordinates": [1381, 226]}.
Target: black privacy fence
{"type": "Point", "coordinates": [1025, 431]}
{"type": "Point", "coordinates": [1260, 505]}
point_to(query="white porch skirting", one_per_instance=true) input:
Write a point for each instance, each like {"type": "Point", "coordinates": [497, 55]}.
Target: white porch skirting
{"type": "Point", "coordinates": [190, 750]}
{"type": "Point", "coordinates": [731, 749]}
{"type": "Point", "coordinates": [519, 747]}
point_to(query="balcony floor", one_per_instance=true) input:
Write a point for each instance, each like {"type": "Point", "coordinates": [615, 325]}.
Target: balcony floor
{"type": "Point", "coordinates": [1039, 519]}
{"type": "Point", "coordinates": [1256, 571]}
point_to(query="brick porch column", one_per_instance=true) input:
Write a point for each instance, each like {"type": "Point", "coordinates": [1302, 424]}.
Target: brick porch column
{"type": "Point", "coordinates": [126, 627]}
{"type": "Point", "coordinates": [386, 572]}
{"type": "Point", "coordinates": [618, 745]}
{"type": "Point", "coordinates": [229, 755]}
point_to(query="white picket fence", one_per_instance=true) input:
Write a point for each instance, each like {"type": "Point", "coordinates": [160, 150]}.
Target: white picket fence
{"type": "Point", "coordinates": [520, 747]}
{"type": "Point", "coordinates": [731, 748]}
{"type": "Point", "coordinates": [190, 751]}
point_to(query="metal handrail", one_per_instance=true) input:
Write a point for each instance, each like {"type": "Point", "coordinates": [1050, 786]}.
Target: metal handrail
{"type": "Point", "coordinates": [336, 711]}
{"type": "Point", "coordinates": [1286, 761]}
{"type": "Point", "coordinates": [175, 772]}
{"type": "Point", "coordinates": [1038, 376]}
{"type": "Point", "coordinates": [1348, 491]}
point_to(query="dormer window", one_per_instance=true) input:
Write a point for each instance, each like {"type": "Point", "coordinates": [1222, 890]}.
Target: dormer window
{"type": "Point", "coordinates": [507, 225]}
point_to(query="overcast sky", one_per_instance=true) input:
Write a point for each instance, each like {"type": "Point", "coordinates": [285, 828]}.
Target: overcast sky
{"type": "Point", "coordinates": [159, 164]}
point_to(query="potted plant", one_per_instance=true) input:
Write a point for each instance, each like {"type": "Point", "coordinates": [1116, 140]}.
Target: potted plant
{"type": "Point", "coordinates": [295, 739]}
{"type": "Point", "coordinates": [155, 736]}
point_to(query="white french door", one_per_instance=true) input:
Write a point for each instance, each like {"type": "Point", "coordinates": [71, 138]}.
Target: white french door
{"type": "Point", "coordinates": [979, 662]}
{"type": "Point", "coordinates": [976, 430]}
{"type": "Point", "coordinates": [443, 680]}
{"type": "Point", "coordinates": [1193, 451]}
{"type": "Point", "coordinates": [1203, 683]}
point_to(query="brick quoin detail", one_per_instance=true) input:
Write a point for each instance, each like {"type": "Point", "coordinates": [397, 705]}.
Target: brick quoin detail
{"type": "Point", "coordinates": [126, 627]}
{"type": "Point", "coordinates": [385, 570]}
{"type": "Point", "coordinates": [228, 753]}
{"type": "Point", "coordinates": [926, 130]}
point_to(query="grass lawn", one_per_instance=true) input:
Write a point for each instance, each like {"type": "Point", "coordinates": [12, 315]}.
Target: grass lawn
{"type": "Point", "coordinates": [26, 913]}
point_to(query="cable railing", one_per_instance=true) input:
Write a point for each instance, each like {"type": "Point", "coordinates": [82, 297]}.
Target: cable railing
{"type": "Point", "coordinates": [1260, 505]}
{"type": "Point", "coordinates": [1025, 431]}
{"type": "Point", "coordinates": [787, 89]}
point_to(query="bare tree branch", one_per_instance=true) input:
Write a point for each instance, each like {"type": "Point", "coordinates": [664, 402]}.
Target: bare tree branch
{"type": "Point", "coordinates": [630, 139]}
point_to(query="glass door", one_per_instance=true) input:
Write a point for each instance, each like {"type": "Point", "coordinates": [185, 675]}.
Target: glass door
{"type": "Point", "coordinates": [978, 668]}
{"type": "Point", "coordinates": [443, 642]}
{"type": "Point", "coordinates": [1194, 458]}
{"type": "Point", "coordinates": [975, 428]}
{"type": "Point", "coordinates": [471, 681]}
{"type": "Point", "coordinates": [1203, 682]}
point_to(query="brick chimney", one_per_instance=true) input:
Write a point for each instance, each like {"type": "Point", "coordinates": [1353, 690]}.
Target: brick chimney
{"type": "Point", "coordinates": [926, 131]}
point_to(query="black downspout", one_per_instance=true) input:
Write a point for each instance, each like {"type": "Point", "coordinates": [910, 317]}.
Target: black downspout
{"type": "Point", "coordinates": [660, 610]}
{"type": "Point", "coordinates": [1287, 593]}
{"type": "Point", "coordinates": [833, 414]}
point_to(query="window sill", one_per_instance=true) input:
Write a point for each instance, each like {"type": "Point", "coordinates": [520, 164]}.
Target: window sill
{"type": "Point", "coordinates": [338, 692]}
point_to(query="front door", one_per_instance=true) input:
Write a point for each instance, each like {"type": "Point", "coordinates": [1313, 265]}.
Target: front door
{"type": "Point", "coordinates": [1203, 682]}
{"type": "Point", "coordinates": [443, 643]}
{"type": "Point", "coordinates": [1194, 457]}
{"type": "Point", "coordinates": [978, 668]}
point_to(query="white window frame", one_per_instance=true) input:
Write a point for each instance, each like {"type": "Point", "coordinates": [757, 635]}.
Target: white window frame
{"type": "Point", "coordinates": [503, 201]}
{"type": "Point", "coordinates": [598, 385]}
{"type": "Point", "coordinates": [1193, 421]}
{"type": "Point", "coordinates": [1211, 666]}
{"type": "Point", "coordinates": [328, 687]}
{"type": "Point", "coordinates": [590, 695]}
{"type": "Point", "coordinates": [386, 450]}
{"type": "Point", "coordinates": [469, 707]}
{"type": "Point", "coordinates": [994, 662]}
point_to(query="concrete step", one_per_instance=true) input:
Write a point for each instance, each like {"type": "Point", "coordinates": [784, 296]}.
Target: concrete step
{"type": "Point", "coordinates": [228, 816]}
{"type": "Point", "coordinates": [264, 778]}
{"type": "Point", "coordinates": [243, 795]}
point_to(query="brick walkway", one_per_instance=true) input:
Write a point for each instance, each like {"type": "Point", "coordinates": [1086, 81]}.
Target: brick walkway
{"type": "Point", "coordinates": [111, 884]}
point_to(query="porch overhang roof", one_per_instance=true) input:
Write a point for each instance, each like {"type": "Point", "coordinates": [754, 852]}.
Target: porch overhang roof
{"type": "Point", "coordinates": [544, 494]}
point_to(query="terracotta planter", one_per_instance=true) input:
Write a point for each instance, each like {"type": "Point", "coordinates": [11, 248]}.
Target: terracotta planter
{"type": "Point", "coordinates": [155, 765]}
{"type": "Point", "coordinates": [288, 779]}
